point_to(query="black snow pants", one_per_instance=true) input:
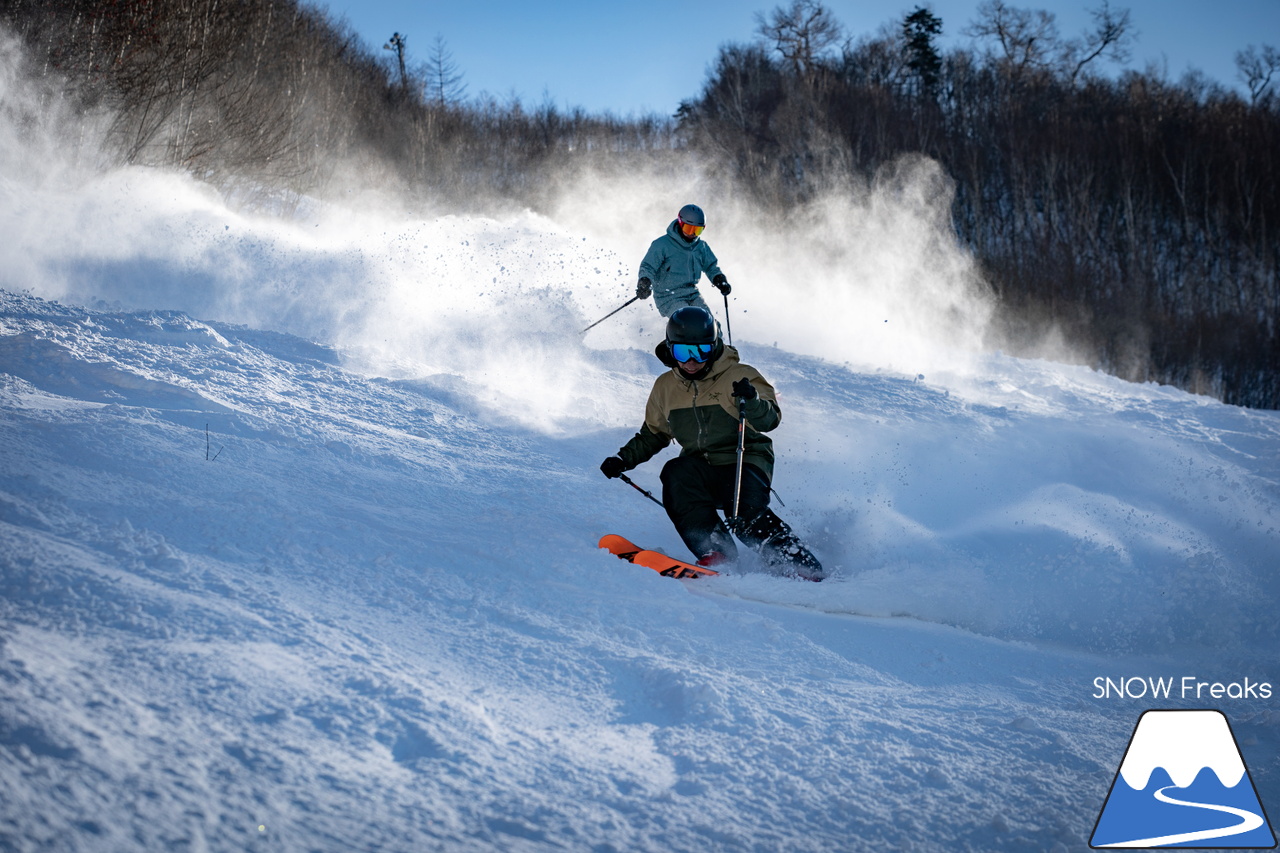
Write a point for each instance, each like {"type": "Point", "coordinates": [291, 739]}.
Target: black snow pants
{"type": "Point", "coordinates": [693, 490]}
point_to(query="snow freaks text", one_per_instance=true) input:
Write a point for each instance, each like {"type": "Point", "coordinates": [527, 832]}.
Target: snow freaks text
{"type": "Point", "coordinates": [1184, 687]}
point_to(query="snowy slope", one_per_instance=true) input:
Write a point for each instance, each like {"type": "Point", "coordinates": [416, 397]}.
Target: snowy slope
{"type": "Point", "coordinates": [376, 619]}
{"type": "Point", "coordinates": [298, 514]}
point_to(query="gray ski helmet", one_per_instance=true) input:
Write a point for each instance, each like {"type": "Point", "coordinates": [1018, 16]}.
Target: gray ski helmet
{"type": "Point", "coordinates": [691, 214]}
{"type": "Point", "coordinates": [692, 325]}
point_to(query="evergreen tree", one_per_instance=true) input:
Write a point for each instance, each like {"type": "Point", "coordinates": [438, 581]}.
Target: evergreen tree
{"type": "Point", "coordinates": [920, 29]}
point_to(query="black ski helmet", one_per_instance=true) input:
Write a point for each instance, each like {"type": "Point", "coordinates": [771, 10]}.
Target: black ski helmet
{"type": "Point", "coordinates": [691, 214]}
{"type": "Point", "coordinates": [694, 324]}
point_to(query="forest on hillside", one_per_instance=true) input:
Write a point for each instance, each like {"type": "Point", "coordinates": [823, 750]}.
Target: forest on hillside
{"type": "Point", "coordinates": [1136, 215]}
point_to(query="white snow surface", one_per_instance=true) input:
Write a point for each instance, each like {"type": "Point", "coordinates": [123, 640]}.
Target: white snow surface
{"type": "Point", "coordinates": [297, 551]}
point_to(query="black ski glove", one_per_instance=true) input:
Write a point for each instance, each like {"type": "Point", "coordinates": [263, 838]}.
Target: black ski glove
{"type": "Point", "coordinates": [644, 288]}
{"type": "Point", "coordinates": [613, 467]}
{"type": "Point", "coordinates": [744, 389]}
{"type": "Point", "coordinates": [722, 284]}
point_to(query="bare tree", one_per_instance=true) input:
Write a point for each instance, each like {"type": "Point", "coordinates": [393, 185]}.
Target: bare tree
{"type": "Point", "coordinates": [1256, 68]}
{"type": "Point", "coordinates": [1111, 37]}
{"type": "Point", "coordinates": [1027, 38]}
{"type": "Point", "coordinates": [801, 33]}
{"type": "Point", "coordinates": [444, 79]}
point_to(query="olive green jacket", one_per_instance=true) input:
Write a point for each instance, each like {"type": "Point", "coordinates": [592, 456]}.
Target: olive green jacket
{"type": "Point", "coordinates": [701, 415]}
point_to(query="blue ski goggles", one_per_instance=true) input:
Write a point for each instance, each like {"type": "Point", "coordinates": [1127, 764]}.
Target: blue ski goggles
{"type": "Point", "coordinates": [691, 352]}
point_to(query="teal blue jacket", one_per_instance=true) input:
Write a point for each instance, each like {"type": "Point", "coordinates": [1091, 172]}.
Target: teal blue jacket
{"type": "Point", "coordinates": [674, 266]}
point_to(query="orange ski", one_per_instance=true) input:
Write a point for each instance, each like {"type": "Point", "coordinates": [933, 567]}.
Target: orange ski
{"type": "Point", "coordinates": [660, 563]}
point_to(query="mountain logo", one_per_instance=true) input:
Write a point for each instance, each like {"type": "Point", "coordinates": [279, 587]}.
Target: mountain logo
{"type": "Point", "coordinates": [1182, 783]}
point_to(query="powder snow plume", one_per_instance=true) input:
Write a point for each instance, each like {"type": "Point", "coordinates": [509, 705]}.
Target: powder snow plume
{"type": "Point", "coordinates": [870, 274]}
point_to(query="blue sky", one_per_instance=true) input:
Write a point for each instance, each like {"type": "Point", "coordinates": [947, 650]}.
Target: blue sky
{"type": "Point", "coordinates": [630, 57]}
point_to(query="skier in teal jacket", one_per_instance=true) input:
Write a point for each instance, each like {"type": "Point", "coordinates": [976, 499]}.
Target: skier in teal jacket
{"type": "Point", "coordinates": [676, 261]}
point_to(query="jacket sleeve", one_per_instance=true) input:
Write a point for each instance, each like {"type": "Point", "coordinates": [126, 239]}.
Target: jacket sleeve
{"type": "Point", "coordinates": [710, 264]}
{"type": "Point", "coordinates": [653, 435]}
{"type": "Point", "coordinates": [654, 263]}
{"type": "Point", "coordinates": [642, 447]}
{"type": "Point", "coordinates": [763, 413]}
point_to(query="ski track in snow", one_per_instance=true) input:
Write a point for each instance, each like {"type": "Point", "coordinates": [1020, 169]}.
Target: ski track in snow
{"type": "Point", "coordinates": [377, 620]}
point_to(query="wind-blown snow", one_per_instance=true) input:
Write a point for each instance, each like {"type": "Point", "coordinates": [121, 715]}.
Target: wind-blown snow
{"type": "Point", "coordinates": [297, 528]}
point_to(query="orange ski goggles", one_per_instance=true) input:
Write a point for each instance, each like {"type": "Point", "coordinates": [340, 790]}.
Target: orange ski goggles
{"type": "Point", "coordinates": [690, 230]}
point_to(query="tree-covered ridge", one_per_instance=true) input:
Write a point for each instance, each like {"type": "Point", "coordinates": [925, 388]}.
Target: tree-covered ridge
{"type": "Point", "coordinates": [277, 94]}
{"type": "Point", "coordinates": [1137, 215]}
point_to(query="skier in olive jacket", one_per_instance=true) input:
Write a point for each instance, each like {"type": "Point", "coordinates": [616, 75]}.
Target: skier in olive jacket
{"type": "Point", "coordinates": [676, 261]}
{"type": "Point", "coordinates": [695, 404]}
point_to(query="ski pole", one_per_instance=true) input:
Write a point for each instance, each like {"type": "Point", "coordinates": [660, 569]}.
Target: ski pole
{"type": "Point", "coordinates": [742, 435]}
{"type": "Point", "coordinates": [610, 314]}
{"type": "Point", "coordinates": [624, 478]}
{"type": "Point", "coordinates": [728, 327]}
